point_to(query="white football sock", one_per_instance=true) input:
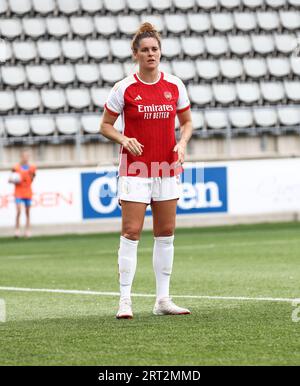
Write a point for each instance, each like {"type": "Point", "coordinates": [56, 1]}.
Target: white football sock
{"type": "Point", "coordinates": [127, 259]}
{"type": "Point", "coordinates": [163, 254]}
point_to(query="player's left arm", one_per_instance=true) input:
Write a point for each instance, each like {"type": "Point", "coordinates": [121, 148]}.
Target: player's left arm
{"type": "Point", "coordinates": [186, 130]}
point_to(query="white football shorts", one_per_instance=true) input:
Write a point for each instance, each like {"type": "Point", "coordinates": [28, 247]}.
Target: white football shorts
{"type": "Point", "coordinates": [139, 189]}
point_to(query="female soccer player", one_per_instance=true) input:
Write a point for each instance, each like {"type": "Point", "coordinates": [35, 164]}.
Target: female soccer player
{"type": "Point", "coordinates": [150, 164]}
{"type": "Point", "coordinates": [23, 191]}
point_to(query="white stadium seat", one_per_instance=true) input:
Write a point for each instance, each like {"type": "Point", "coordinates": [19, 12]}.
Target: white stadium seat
{"type": "Point", "coordinates": [161, 5]}
{"type": "Point", "coordinates": [53, 99]}
{"type": "Point", "coordinates": [34, 28]}
{"type": "Point", "coordinates": [13, 76]}
{"type": "Point", "coordinates": [207, 4]}
{"type": "Point", "coordinates": [276, 4]}
{"type": "Point", "coordinates": [279, 67]}
{"type": "Point", "coordinates": [197, 119]}
{"type": "Point", "coordinates": [253, 4]}
{"type": "Point", "coordinates": [156, 20]}
{"type": "Point", "coordinates": [128, 24]}
{"type": "Point", "coordinates": [38, 75]}
{"type": "Point", "coordinates": [48, 50]}
{"type": "Point", "coordinates": [20, 7]}
{"type": "Point", "coordinates": [8, 54]}
{"type": "Point", "coordinates": [78, 99]}
{"type": "Point", "coordinates": [248, 93]}
{"type": "Point", "coordinates": [295, 65]}
{"type": "Point", "coordinates": [121, 48]}
{"type": "Point", "coordinates": [91, 6]}
{"type": "Point", "coordinates": [28, 100]}
{"type": "Point", "coordinates": [239, 45]}
{"type": "Point", "coordinates": [170, 47]}
{"type": "Point", "coordinates": [292, 90]}
{"type": "Point", "coordinates": [10, 28]}
{"type": "Point", "coordinates": [224, 93]}
{"type": "Point", "coordinates": [42, 125]}
{"type": "Point", "coordinates": [222, 22]}
{"type": "Point", "coordinates": [68, 6]}
{"type": "Point", "coordinates": [82, 26]}
{"type": "Point", "coordinates": [240, 118]}
{"type": "Point", "coordinates": [285, 43]}
{"type": "Point", "coordinates": [192, 45]}
{"type": "Point", "coordinates": [165, 67]}
{"type": "Point", "coordinates": [57, 26]}
{"type": "Point", "coordinates": [97, 49]}
{"type": "Point", "coordinates": [184, 5]}
{"type": "Point", "coordinates": [2, 129]}
{"type": "Point", "coordinates": [111, 72]}
{"type": "Point", "coordinates": [231, 68]}
{"type": "Point", "coordinates": [265, 117]}
{"type": "Point", "coordinates": [230, 4]}
{"type": "Point", "coordinates": [99, 96]}
{"type": "Point", "coordinates": [87, 73]}
{"type": "Point", "coordinates": [208, 69]}
{"type": "Point", "coordinates": [62, 74]}
{"type": "Point", "coordinates": [106, 25]}
{"type": "Point", "coordinates": [245, 21]}
{"type": "Point", "coordinates": [268, 21]}
{"type": "Point", "coordinates": [263, 44]}
{"type": "Point", "coordinates": [255, 67]}
{"type": "Point", "coordinates": [216, 119]}
{"type": "Point", "coordinates": [24, 51]}
{"type": "Point", "coordinates": [289, 115]}
{"type": "Point", "coordinates": [184, 70]}
{"type": "Point", "coordinates": [3, 7]}
{"type": "Point", "coordinates": [216, 45]}
{"type": "Point", "coordinates": [200, 94]}
{"type": "Point", "coordinates": [7, 101]}
{"type": "Point", "coordinates": [137, 5]}
{"type": "Point", "coordinates": [17, 126]}
{"type": "Point", "coordinates": [91, 123]}
{"type": "Point", "coordinates": [67, 124]}
{"type": "Point", "coordinates": [272, 92]}
{"type": "Point", "coordinates": [73, 49]}
{"type": "Point", "coordinates": [114, 6]}
{"type": "Point", "coordinates": [44, 7]}
{"type": "Point", "coordinates": [295, 3]}
{"type": "Point", "coordinates": [198, 22]}
{"type": "Point", "coordinates": [176, 23]}
{"type": "Point", "coordinates": [290, 19]}
{"type": "Point", "coordinates": [130, 68]}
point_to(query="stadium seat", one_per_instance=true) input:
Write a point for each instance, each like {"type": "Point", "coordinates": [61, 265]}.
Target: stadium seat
{"type": "Point", "coordinates": [68, 7]}
{"type": "Point", "coordinates": [207, 4]}
{"type": "Point", "coordinates": [111, 72]}
{"type": "Point", "coordinates": [225, 94]}
{"type": "Point", "coordinates": [268, 21]}
{"type": "Point", "coordinates": [57, 26]}
{"type": "Point", "coordinates": [216, 119]}
{"type": "Point", "coordinates": [240, 119]}
{"type": "Point", "coordinates": [231, 68]}
{"type": "Point", "coordinates": [292, 90]}
{"type": "Point", "coordinates": [272, 92]}
{"type": "Point", "coordinates": [184, 70]}
{"type": "Point", "coordinates": [87, 74]}
{"type": "Point", "coordinates": [82, 26]}
{"type": "Point", "coordinates": [156, 20]}
{"type": "Point", "coordinates": [263, 44]}
{"type": "Point", "coordinates": [2, 129]}
{"type": "Point", "coordinates": [38, 75]}
{"type": "Point", "coordinates": [62, 74]}
{"type": "Point", "coordinates": [199, 23]}
{"type": "Point", "coordinates": [245, 21]}
{"type": "Point", "coordinates": [276, 4]}
{"type": "Point", "coordinates": [192, 46]}
{"type": "Point", "coordinates": [78, 99]}
{"type": "Point", "coordinates": [265, 117]}
{"type": "Point", "coordinates": [289, 115]}
{"type": "Point", "coordinates": [53, 100]}
{"type": "Point", "coordinates": [24, 51]}
{"type": "Point", "coordinates": [216, 45]}
{"type": "Point", "coordinates": [3, 7]}
{"type": "Point", "coordinates": [285, 43]}
{"type": "Point", "coordinates": [295, 3]}
{"type": "Point", "coordinates": [161, 5]}
{"type": "Point", "coordinates": [239, 45]}
{"type": "Point", "coordinates": [208, 69]}
{"type": "Point", "coordinates": [255, 67]}
{"type": "Point", "coordinates": [200, 94]}
{"type": "Point", "coordinates": [91, 6]}
{"type": "Point", "coordinates": [279, 67]}
{"type": "Point", "coordinates": [165, 67]}
{"type": "Point", "coordinates": [184, 5]}
{"type": "Point", "coordinates": [290, 19]}
{"type": "Point", "coordinates": [42, 125]}
{"type": "Point", "coordinates": [7, 55]}
{"type": "Point", "coordinates": [176, 23]}
{"type": "Point", "coordinates": [97, 49]}
{"type": "Point", "coordinates": [114, 6]}
{"type": "Point", "coordinates": [222, 22]}
{"type": "Point", "coordinates": [248, 93]}
{"type": "Point", "coordinates": [130, 68]}
{"type": "Point", "coordinates": [17, 126]}
{"type": "Point", "coordinates": [253, 4]}
{"type": "Point", "coordinates": [295, 65]}
{"type": "Point", "coordinates": [28, 100]}
{"type": "Point", "coordinates": [137, 6]}
{"type": "Point", "coordinates": [44, 7]}
{"type": "Point", "coordinates": [67, 124]}
{"type": "Point", "coordinates": [20, 8]}
{"type": "Point", "coordinates": [48, 50]}
{"type": "Point", "coordinates": [10, 28]}
{"type": "Point", "coordinates": [230, 4]}
{"type": "Point", "coordinates": [73, 49]}
{"type": "Point", "coordinates": [170, 47]}
{"type": "Point", "coordinates": [34, 28]}
{"type": "Point", "coordinates": [105, 25]}
{"type": "Point", "coordinates": [91, 124]}
{"type": "Point", "coordinates": [128, 24]}
{"type": "Point", "coordinates": [198, 120]}
{"type": "Point", "coordinates": [99, 96]}
{"type": "Point", "coordinates": [7, 101]}
{"type": "Point", "coordinates": [120, 48]}
{"type": "Point", "coordinates": [13, 76]}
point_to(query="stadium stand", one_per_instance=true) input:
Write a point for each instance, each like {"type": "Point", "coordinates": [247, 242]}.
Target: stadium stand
{"type": "Point", "coordinates": [239, 60]}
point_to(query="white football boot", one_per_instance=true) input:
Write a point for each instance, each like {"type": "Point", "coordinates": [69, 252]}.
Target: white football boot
{"type": "Point", "coordinates": [125, 310]}
{"type": "Point", "coordinates": [165, 306]}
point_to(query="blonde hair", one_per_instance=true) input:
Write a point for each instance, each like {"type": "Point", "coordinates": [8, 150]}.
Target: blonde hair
{"type": "Point", "coordinates": [146, 30]}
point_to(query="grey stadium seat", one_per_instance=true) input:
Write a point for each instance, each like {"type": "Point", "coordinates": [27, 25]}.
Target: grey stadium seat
{"type": "Point", "coordinates": [62, 74]}
{"type": "Point", "coordinates": [82, 26]}
{"type": "Point", "coordinates": [67, 124]}
{"type": "Point", "coordinates": [279, 67]}
{"type": "Point", "coordinates": [38, 75]}
{"type": "Point", "coordinates": [13, 76]}
{"type": "Point", "coordinates": [253, 4]}
{"type": "Point", "coordinates": [184, 70]}
{"type": "Point", "coordinates": [184, 5]}
{"type": "Point", "coordinates": [230, 4]}
{"type": "Point", "coordinates": [73, 49]}
{"type": "Point", "coordinates": [28, 100]}
{"type": "Point", "coordinates": [263, 44]}
{"type": "Point", "coordinates": [224, 93]}
{"type": "Point", "coordinates": [285, 43]}
{"type": "Point", "coordinates": [42, 125]}
{"type": "Point", "coordinates": [53, 99]}
{"type": "Point", "coordinates": [7, 101]}
{"type": "Point", "coordinates": [44, 7]}
{"type": "Point", "coordinates": [268, 21]}
{"type": "Point", "coordinates": [91, 6]}
{"type": "Point", "coordinates": [91, 124]}
{"type": "Point", "coordinates": [78, 99]}
{"type": "Point", "coordinates": [289, 115]}
{"type": "Point", "coordinates": [245, 21]}
{"type": "Point", "coordinates": [68, 7]}
{"type": "Point", "coordinates": [20, 7]}
{"type": "Point", "coordinates": [99, 96]}
{"type": "Point", "coordinates": [222, 22]}
{"type": "Point", "coordinates": [156, 20]}
{"type": "Point", "coordinates": [276, 4]}
{"type": "Point", "coordinates": [198, 120]}
{"type": "Point", "coordinates": [161, 5]}
{"type": "Point", "coordinates": [111, 72]}
{"type": "Point", "coordinates": [17, 126]}
{"type": "Point", "coordinates": [216, 119]}
{"type": "Point", "coordinates": [239, 45]}
{"type": "Point", "coordinates": [216, 45]}
{"type": "Point", "coordinates": [137, 6]}
{"type": "Point", "coordinates": [240, 119]}
{"type": "Point", "coordinates": [292, 90]}
{"type": "Point", "coordinates": [3, 7]}
{"type": "Point", "coordinates": [295, 65]}
{"type": "Point", "coordinates": [200, 94]}
{"type": "Point", "coordinates": [198, 22]}
{"type": "Point", "coordinates": [10, 28]}
{"type": "Point", "coordinates": [128, 24]}
{"type": "Point", "coordinates": [207, 4]}
{"type": "Point", "coordinates": [290, 19]}
{"type": "Point", "coordinates": [48, 50]}
{"type": "Point", "coordinates": [34, 28]}
{"type": "Point", "coordinates": [24, 51]}
{"type": "Point", "coordinates": [295, 3]}
{"type": "Point", "coordinates": [120, 48]}
{"type": "Point", "coordinates": [106, 25]}
{"type": "Point", "coordinates": [265, 117]}
{"type": "Point", "coordinates": [114, 6]}
{"type": "Point", "coordinates": [255, 67]}
{"type": "Point", "coordinates": [170, 47]}
{"type": "Point", "coordinates": [97, 49]}
{"type": "Point", "coordinates": [192, 45]}
{"type": "Point", "coordinates": [272, 92]}
{"type": "Point", "coordinates": [208, 69]}
{"type": "Point", "coordinates": [248, 93]}
{"type": "Point", "coordinates": [57, 26]}
{"type": "Point", "coordinates": [87, 73]}
{"type": "Point", "coordinates": [176, 23]}
{"type": "Point", "coordinates": [231, 68]}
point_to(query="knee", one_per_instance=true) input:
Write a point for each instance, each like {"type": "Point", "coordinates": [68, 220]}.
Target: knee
{"type": "Point", "coordinates": [132, 233]}
{"type": "Point", "coordinates": [164, 232]}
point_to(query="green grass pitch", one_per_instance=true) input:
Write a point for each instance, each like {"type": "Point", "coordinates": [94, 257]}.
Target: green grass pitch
{"type": "Point", "coordinates": [81, 329]}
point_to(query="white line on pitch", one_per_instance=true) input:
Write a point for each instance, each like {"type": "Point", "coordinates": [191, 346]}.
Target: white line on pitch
{"type": "Point", "coordinates": [81, 292]}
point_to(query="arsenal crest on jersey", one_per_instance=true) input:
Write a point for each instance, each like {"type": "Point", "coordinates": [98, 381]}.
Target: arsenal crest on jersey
{"type": "Point", "coordinates": [168, 95]}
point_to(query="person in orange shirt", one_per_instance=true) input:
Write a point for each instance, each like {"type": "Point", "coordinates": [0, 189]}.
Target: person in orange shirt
{"type": "Point", "coordinates": [23, 190]}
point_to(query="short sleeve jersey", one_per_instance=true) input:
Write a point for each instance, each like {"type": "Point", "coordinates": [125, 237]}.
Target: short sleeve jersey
{"type": "Point", "coordinates": [148, 114]}
{"type": "Point", "coordinates": [27, 172]}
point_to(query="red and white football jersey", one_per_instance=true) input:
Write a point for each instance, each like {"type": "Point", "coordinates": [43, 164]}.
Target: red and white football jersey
{"type": "Point", "coordinates": [148, 112]}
